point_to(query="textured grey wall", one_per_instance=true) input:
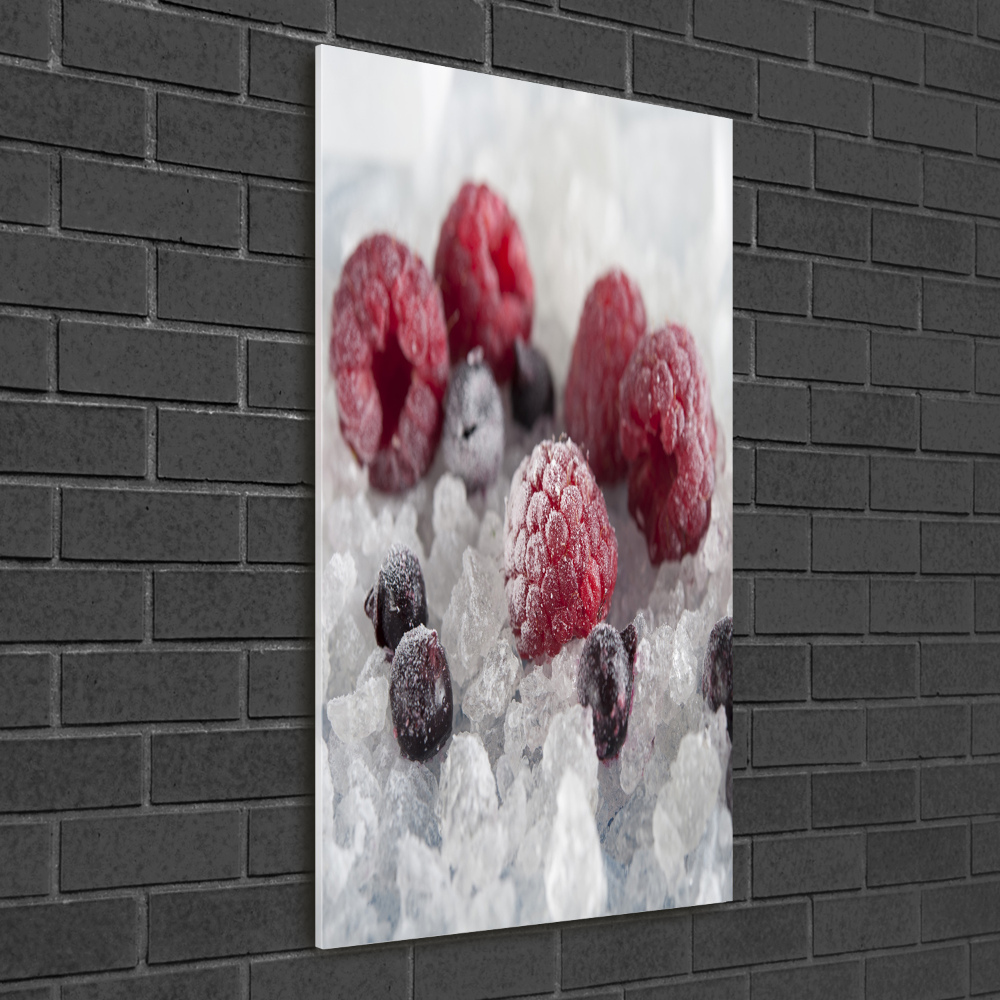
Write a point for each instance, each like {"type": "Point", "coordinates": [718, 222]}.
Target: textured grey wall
{"type": "Point", "coordinates": [155, 506]}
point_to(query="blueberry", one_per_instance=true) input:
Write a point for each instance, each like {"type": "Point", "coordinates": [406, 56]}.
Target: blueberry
{"type": "Point", "coordinates": [531, 390]}
{"type": "Point", "coordinates": [604, 684]}
{"type": "Point", "coordinates": [472, 438]}
{"type": "Point", "coordinates": [420, 694]}
{"type": "Point", "coordinates": [717, 680]}
{"type": "Point", "coordinates": [398, 600]}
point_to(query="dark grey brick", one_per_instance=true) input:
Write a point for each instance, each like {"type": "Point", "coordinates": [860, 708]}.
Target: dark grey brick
{"type": "Point", "coordinates": [281, 221]}
{"type": "Point", "coordinates": [988, 368]}
{"type": "Point", "coordinates": [988, 250]}
{"type": "Point", "coordinates": [905, 732]}
{"type": "Point", "coordinates": [385, 973]}
{"type": "Point", "coordinates": [961, 910]}
{"type": "Point", "coordinates": [960, 667]}
{"type": "Point", "coordinates": [921, 605]}
{"type": "Point", "coordinates": [24, 30]}
{"type": "Point", "coordinates": [778, 155]}
{"type": "Point", "coordinates": [512, 964]}
{"type": "Point", "coordinates": [222, 983]}
{"type": "Point", "coordinates": [987, 605]}
{"type": "Point", "coordinates": [747, 936]}
{"type": "Point", "coordinates": [55, 939]}
{"type": "Point", "coordinates": [281, 683]}
{"type": "Point", "coordinates": [813, 982]}
{"type": "Point", "coordinates": [771, 673]}
{"type": "Point", "coordinates": [988, 133]}
{"type": "Point", "coordinates": [924, 484]}
{"type": "Point", "coordinates": [37, 775]}
{"type": "Point", "coordinates": [854, 798]}
{"type": "Point", "coordinates": [886, 670]}
{"type": "Point", "coordinates": [790, 866]}
{"type": "Point", "coordinates": [259, 763]}
{"type": "Point", "coordinates": [24, 860]}
{"type": "Point", "coordinates": [808, 97]}
{"type": "Point", "coordinates": [806, 479]}
{"type": "Point", "coordinates": [905, 115]}
{"type": "Point", "coordinates": [770, 804]}
{"type": "Point", "coordinates": [134, 201]}
{"type": "Point", "coordinates": [597, 952]}
{"type": "Point", "coordinates": [865, 545]}
{"type": "Point", "coordinates": [796, 605]}
{"type": "Point", "coordinates": [962, 66]}
{"type": "Point", "coordinates": [824, 353]}
{"type": "Point", "coordinates": [960, 307]}
{"type": "Point", "coordinates": [812, 225]}
{"type": "Point", "coordinates": [26, 522]}
{"type": "Point", "coordinates": [770, 284]}
{"type": "Point", "coordinates": [771, 541]}
{"type": "Point", "coordinates": [448, 27]}
{"type": "Point", "coordinates": [240, 447]}
{"type": "Point", "coordinates": [63, 110]}
{"type": "Point", "coordinates": [762, 25]}
{"type": "Point", "coordinates": [664, 15]}
{"type": "Point", "coordinates": [742, 344]}
{"type": "Point", "coordinates": [42, 270]}
{"type": "Point", "coordinates": [962, 186]}
{"type": "Point", "coordinates": [70, 605]}
{"type": "Point", "coordinates": [533, 42]}
{"type": "Point", "coordinates": [744, 199]}
{"type": "Point", "coordinates": [777, 412]}
{"type": "Point", "coordinates": [985, 847]}
{"type": "Point", "coordinates": [280, 529]}
{"type": "Point", "coordinates": [150, 526]}
{"type": "Point", "coordinates": [959, 790]}
{"type": "Point", "coordinates": [149, 687]}
{"type": "Point", "coordinates": [741, 882]}
{"type": "Point", "coordinates": [986, 728]}
{"type": "Point", "coordinates": [868, 46]}
{"type": "Point", "coordinates": [294, 13]}
{"type": "Point", "coordinates": [131, 41]}
{"type": "Point", "coordinates": [743, 474]}
{"type": "Point", "coordinates": [922, 241]}
{"type": "Point", "coordinates": [956, 425]}
{"type": "Point", "coordinates": [988, 22]}
{"type": "Point", "coordinates": [24, 352]}
{"type": "Point", "coordinates": [960, 547]}
{"type": "Point", "coordinates": [907, 359]}
{"type": "Point", "coordinates": [281, 840]}
{"type": "Point", "coordinates": [862, 923]}
{"type": "Point", "coordinates": [715, 988]}
{"type": "Point", "coordinates": [680, 72]}
{"type": "Point", "coordinates": [240, 138]}
{"type": "Point", "coordinates": [283, 69]}
{"type": "Point", "coordinates": [929, 854]}
{"type": "Point", "coordinates": [959, 15]}
{"type": "Point", "coordinates": [987, 499]}
{"type": "Point", "coordinates": [928, 974]}
{"type": "Point", "coordinates": [225, 290]}
{"type": "Point", "coordinates": [149, 850]}
{"type": "Point", "coordinates": [985, 975]}
{"type": "Point", "coordinates": [884, 297]}
{"type": "Point", "coordinates": [864, 417]}
{"type": "Point", "coordinates": [153, 363]}
{"type": "Point", "coordinates": [24, 186]}
{"type": "Point", "coordinates": [242, 920]}
{"type": "Point", "coordinates": [784, 736]}
{"type": "Point", "coordinates": [25, 681]}
{"type": "Point", "coordinates": [741, 734]}
{"type": "Point", "coordinates": [207, 605]}
{"type": "Point", "coordinates": [867, 170]}
{"type": "Point", "coordinates": [281, 375]}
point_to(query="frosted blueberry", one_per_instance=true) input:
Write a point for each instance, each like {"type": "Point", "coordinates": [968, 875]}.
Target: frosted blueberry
{"type": "Point", "coordinates": [420, 694]}
{"type": "Point", "coordinates": [531, 391]}
{"type": "Point", "coordinates": [472, 439]}
{"type": "Point", "coordinates": [717, 680]}
{"type": "Point", "coordinates": [398, 600]}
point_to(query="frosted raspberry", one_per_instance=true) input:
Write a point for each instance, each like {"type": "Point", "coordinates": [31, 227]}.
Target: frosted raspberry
{"type": "Point", "coordinates": [613, 320]}
{"type": "Point", "coordinates": [560, 551]}
{"type": "Point", "coordinates": [389, 355]}
{"type": "Point", "coordinates": [486, 284]}
{"type": "Point", "coordinates": [667, 434]}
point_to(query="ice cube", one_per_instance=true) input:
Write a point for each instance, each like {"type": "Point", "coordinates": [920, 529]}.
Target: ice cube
{"type": "Point", "coordinates": [569, 746]}
{"type": "Point", "coordinates": [339, 579]}
{"type": "Point", "coordinates": [685, 668]}
{"type": "Point", "coordinates": [452, 512]}
{"type": "Point", "coordinates": [489, 694]}
{"type": "Point", "coordinates": [468, 796]}
{"type": "Point", "coordinates": [355, 716]}
{"type": "Point", "coordinates": [490, 540]}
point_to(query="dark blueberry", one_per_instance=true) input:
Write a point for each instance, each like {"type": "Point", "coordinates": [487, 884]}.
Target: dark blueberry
{"type": "Point", "coordinates": [420, 694]}
{"type": "Point", "coordinates": [717, 680]}
{"type": "Point", "coordinates": [604, 684]}
{"type": "Point", "coordinates": [472, 437]}
{"type": "Point", "coordinates": [531, 391]}
{"type": "Point", "coordinates": [398, 601]}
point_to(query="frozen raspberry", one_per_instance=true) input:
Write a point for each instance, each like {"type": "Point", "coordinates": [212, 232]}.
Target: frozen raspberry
{"type": "Point", "coordinates": [482, 268]}
{"type": "Point", "coordinates": [398, 601]}
{"type": "Point", "coordinates": [531, 392]}
{"type": "Point", "coordinates": [560, 551]}
{"type": "Point", "coordinates": [667, 435]}
{"type": "Point", "coordinates": [420, 694]}
{"type": "Point", "coordinates": [613, 320]}
{"type": "Point", "coordinates": [472, 439]}
{"type": "Point", "coordinates": [717, 680]}
{"type": "Point", "coordinates": [389, 355]}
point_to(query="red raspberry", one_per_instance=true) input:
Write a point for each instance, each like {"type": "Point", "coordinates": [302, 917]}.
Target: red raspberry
{"type": "Point", "coordinates": [613, 320]}
{"type": "Point", "coordinates": [389, 355]}
{"type": "Point", "coordinates": [668, 437]}
{"type": "Point", "coordinates": [482, 268]}
{"type": "Point", "coordinates": [560, 551]}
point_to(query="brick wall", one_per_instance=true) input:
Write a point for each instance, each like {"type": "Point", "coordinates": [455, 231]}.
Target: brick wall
{"type": "Point", "coordinates": [156, 506]}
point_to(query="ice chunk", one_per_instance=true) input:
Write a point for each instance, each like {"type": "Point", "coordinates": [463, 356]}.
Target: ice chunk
{"type": "Point", "coordinates": [355, 716]}
{"type": "Point", "coordinates": [468, 796]}
{"type": "Point", "coordinates": [490, 540]}
{"type": "Point", "coordinates": [339, 579]}
{"type": "Point", "coordinates": [348, 646]}
{"type": "Point", "coordinates": [575, 882]}
{"type": "Point", "coordinates": [489, 694]}
{"type": "Point", "coordinates": [455, 528]}
{"type": "Point", "coordinates": [569, 746]}
{"type": "Point", "coordinates": [451, 510]}
{"type": "Point", "coordinates": [565, 666]}
{"type": "Point", "coordinates": [645, 884]}
{"type": "Point", "coordinates": [685, 668]}
{"type": "Point", "coordinates": [428, 904]}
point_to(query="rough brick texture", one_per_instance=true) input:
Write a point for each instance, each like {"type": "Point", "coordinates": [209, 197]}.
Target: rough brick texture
{"type": "Point", "coordinates": [156, 503]}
